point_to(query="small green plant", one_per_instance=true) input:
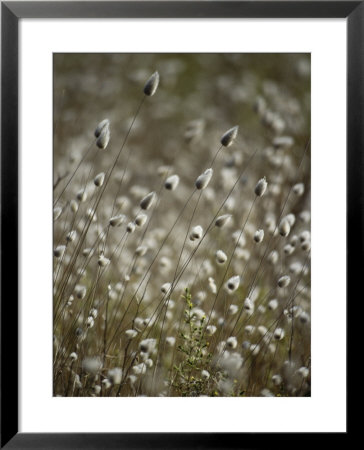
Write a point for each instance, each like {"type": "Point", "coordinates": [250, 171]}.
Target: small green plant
{"type": "Point", "coordinates": [191, 377]}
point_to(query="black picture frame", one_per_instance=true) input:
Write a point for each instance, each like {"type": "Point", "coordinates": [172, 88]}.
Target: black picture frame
{"type": "Point", "coordinates": [11, 13]}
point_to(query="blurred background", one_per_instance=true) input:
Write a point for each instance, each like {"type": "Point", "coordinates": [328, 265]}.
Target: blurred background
{"type": "Point", "coordinates": [178, 131]}
{"type": "Point", "coordinates": [220, 89]}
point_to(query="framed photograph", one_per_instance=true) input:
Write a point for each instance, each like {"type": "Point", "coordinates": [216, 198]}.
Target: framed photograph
{"type": "Point", "coordinates": [180, 191]}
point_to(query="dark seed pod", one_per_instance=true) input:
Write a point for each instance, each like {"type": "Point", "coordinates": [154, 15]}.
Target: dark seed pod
{"type": "Point", "coordinates": [57, 212]}
{"type": "Point", "coordinates": [59, 251]}
{"type": "Point", "coordinates": [222, 220]}
{"type": "Point", "coordinates": [258, 236]}
{"type": "Point", "coordinates": [116, 221]}
{"type": "Point", "coordinates": [203, 180]}
{"type": "Point", "coordinates": [261, 187]}
{"type": "Point", "coordinates": [171, 182]}
{"type": "Point", "coordinates": [147, 201]}
{"type": "Point", "coordinates": [284, 228]}
{"type": "Point", "coordinates": [140, 220]}
{"type": "Point", "coordinates": [152, 84]}
{"type": "Point", "coordinates": [104, 123]}
{"type": "Point", "coordinates": [99, 179]}
{"type": "Point", "coordinates": [103, 140]}
{"type": "Point", "coordinates": [229, 137]}
{"type": "Point", "coordinates": [284, 281]}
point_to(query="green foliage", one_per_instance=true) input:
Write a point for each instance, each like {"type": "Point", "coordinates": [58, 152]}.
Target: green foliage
{"type": "Point", "coordinates": [187, 377]}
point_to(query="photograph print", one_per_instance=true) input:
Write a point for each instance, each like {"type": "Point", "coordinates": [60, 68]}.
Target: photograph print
{"type": "Point", "coordinates": [181, 225]}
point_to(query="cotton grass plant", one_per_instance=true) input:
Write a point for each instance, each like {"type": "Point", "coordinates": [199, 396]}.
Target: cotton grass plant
{"type": "Point", "coordinates": [182, 226]}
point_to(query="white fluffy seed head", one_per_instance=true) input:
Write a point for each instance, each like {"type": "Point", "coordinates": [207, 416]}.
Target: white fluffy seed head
{"type": "Point", "coordinates": [232, 283]}
{"type": "Point", "coordinates": [231, 362]}
{"type": "Point", "coordinates": [116, 221]}
{"type": "Point", "coordinates": [130, 228]}
{"type": "Point", "coordinates": [73, 206]}
{"type": "Point", "coordinates": [304, 317]}
{"type": "Point", "coordinates": [262, 330]}
{"type": "Point", "coordinates": [91, 364]}
{"type": "Point", "coordinates": [87, 252]}
{"type": "Point", "coordinates": [73, 356]}
{"type": "Point", "coordinates": [196, 233]}
{"type": "Point", "coordinates": [148, 200]}
{"type": "Point", "coordinates": [81, 195]}
{"type": "Point", "coordinates": [220, 256]}
{"type": "Point", "coordinates": [295, 267]}
{"type": "Point", "coordinates": [305, 236]}
{"type": "Point", "coordinates": [288, 249]}
{"type": "Point", "coordinates": [249, 329]}
{"type": "Point", "coordinates": [258, 236]}
{"type": "Point", "coordinates": [140, 219]}
{"type": "Point", "coordinates": [139, 369]}
{"type": "Point", "coordinates": [233, 309]}
{"type": "Point", "coordinates": [266, 393]}
{"type": "Point", "coordinates": [93, 313]}
{"type": "Point", "coordinates": [170, 341]}
{"type": "Point", "coordinates": [71, 236]}
{"type": "Point", "coordinates": [222, 220]}
{"type": "Point", "coordinates": [103, 140]}
{"type": "Point", "coordinates": [291, 219]}
{"type": "Point", "coordinates": [166, 288]}
{"type": "Point", "coordinates": [255, 349]}
{"type": "Point", "coordinates": [57, 211]}
{"type": "Point", "coordinates": [165, 263]}
{"type": "Point", "coordinates": [171, 182]}
{"type": "Point", "coordinates": [132, 379]}
{"type": "Point", "coordinates": [284, 228]}
{"type": "Point", "coordinates": [212, 285]}
{"type": "Point", "coordinates": [80, 291]}
{"type": "Point", "coordinates": [59, 251]}
{"type": "Point", "coordinates": [91, 214]}
{"type": "Point", "coordinates": [283, 142]}
{"type": "Point", "coordinates": [205, 375]}
{"type": "Point", "coordinates": [273, 304]}
{"type": "Point", "coordinates": [90, 322]}
{"type": "Point", "coordinates": [248, 305]}
{"type": "Point", "coordinates": [203, 180]}
{"type": "Point", "coordinates": [261, 187]}
{"type": "Point", "coordinates": [139, 324]}
{"type": "Point", "coordinates": [298, 189]}
{"type": "Point", "coordinates": [305, 216]}
{"type": "Point", "coordinates": [229, 136]}
{"type": "Point", "coordinates": [149, 363]}
{"type": "Point", "coordinates": [115, 375]}
{"type": "Point", "coordinates": [130, 334]}
{"type": "Point", "coordinates": [303, 371]}
{"type": "Point", "coordinates": [147, 345]}
{"type": "Point", "coordinates": [141, 250]}
{"type": "Point", "coordinates": [103, 261]}
{"type": "Point", "coordinates": [99, 179]}
{"type": "Point", "coordinates": [278, 334]}
{"type": "Point", "coordinates": [273, 257]}
{"type": "Point", "coordinates": [210, 330]}
{"type": "Point", "coordinates": [104, 123]}
{"type": "Point", "coordinates": [284, 281]}
{"type": "Point", "coordinates": [277, 379]}
{"type": "Point", "coordinates": [151, 85]}
{"type": "Point", "coordinates": [231, 342]}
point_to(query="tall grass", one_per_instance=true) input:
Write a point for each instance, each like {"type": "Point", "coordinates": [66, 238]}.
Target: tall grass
{"type": "Point", "coordinates": [182, 226]}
